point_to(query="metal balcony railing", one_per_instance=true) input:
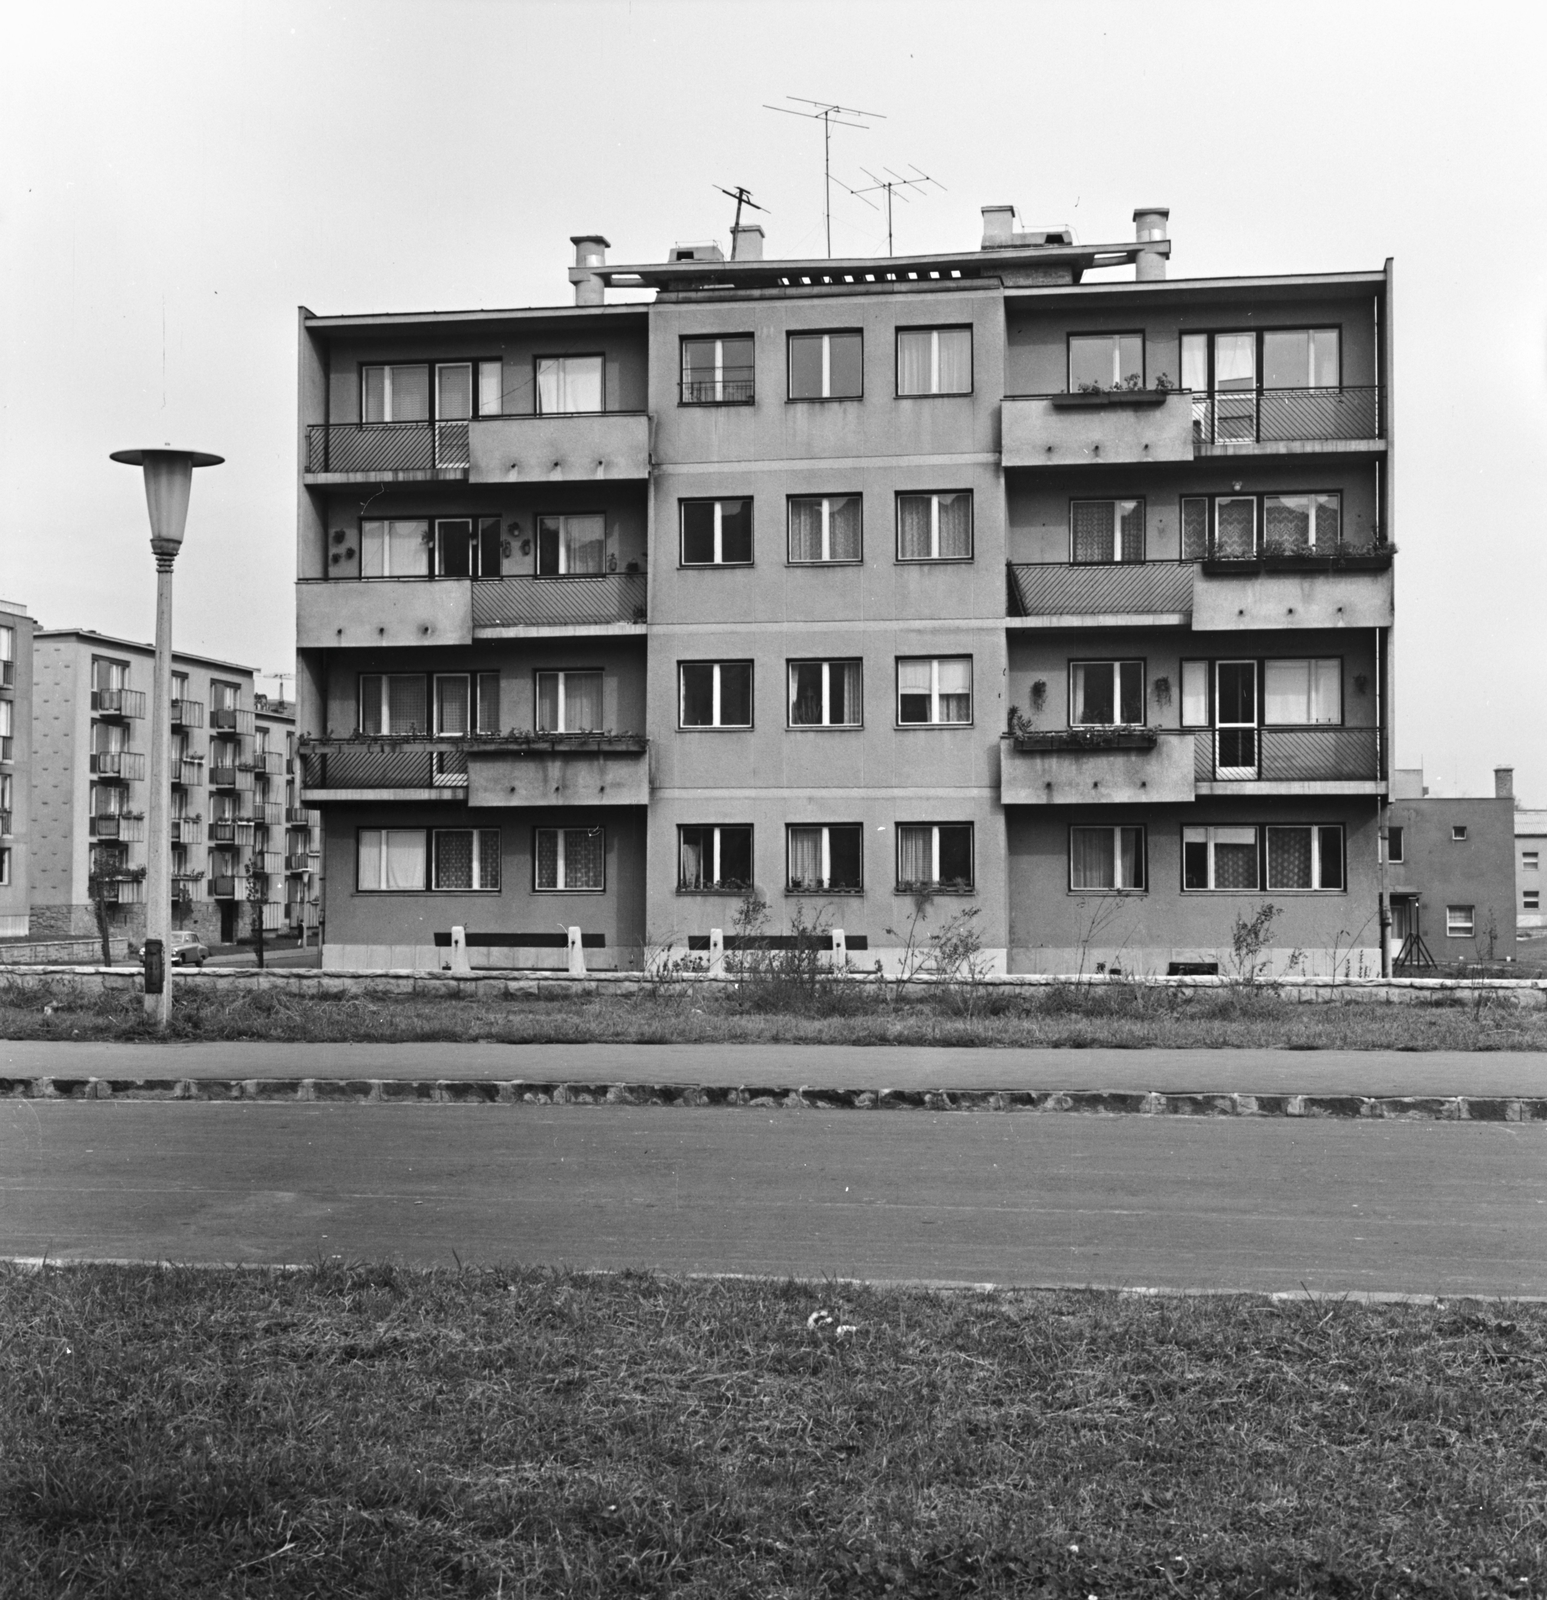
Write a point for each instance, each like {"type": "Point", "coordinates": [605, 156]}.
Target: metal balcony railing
{"type": "Point", "coordinates": [236, 718]}
{"type": "Point", "coordinates": [129, 828]}
{"type": "Point", "coordinates": [386, 446]}
{"type": "Point", "coordinates": [230, 830]}
{"type": "Point", "coordinates": [187, 713]}
{"type": "Point", "coordinates": [1139, 588]}
{"type": "Point", "coordinates": [1287, 755]}
{"type": "Point", "coordinates": [126, 765]}
{"type": "Point", "coordinates": [733, 386]}
{"type": "Point", "coordinates": [527, 602]}
{"type": "Point", "coordinates": [118, 702]}
{"type": "Point", "coordinates": [386, 764]}
{"type": "Point", "coordinates": [189, 773]}
{"type": "Point", "coordinates": [187, 830]}
{"type": "Point", "coordinates": [1287, 416]}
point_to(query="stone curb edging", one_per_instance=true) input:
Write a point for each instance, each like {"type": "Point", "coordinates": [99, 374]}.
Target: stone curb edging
{"type": "Point", "coordinates": [519, 1091]}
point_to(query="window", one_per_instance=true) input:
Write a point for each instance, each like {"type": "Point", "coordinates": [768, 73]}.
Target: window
{"type": "Point", "coordinates": [569, 859]}
{"type": "Point", "coordinates": [718, 372]}
{"type": "Point", "coordinates": [467, 547]}
{"type": "Point", "coordinates": [1102, 531]}
{"type": "Point", "coordinates": [393, 703]}
{"type": "Point", "coordinates": [109, 674]}
{"type": "Point", "coordinates": [1300, 358]}
{"type": "Point", "coordinates": [1458, 832]}
{"type": "Point", "coordinates": [1226, 527]}
{"type": "Point", "coordinates": [716, 533]}
{"type": "Point", "coordinates": [1531, 899]}
{"type": "Point", "coordinates": [715, 694]}
{"type": "Point", "coordinates": [1220, 858]}
{"type": "Point", "coordinates": [1107, 858]}
{"type": "Point", "coordinates": [1105, 694]}
{"type": "Point", "coordinates": [1235, 527]}
{"type": "Point", "coordinates": [5, 866]}
{"type": "Point", "coordinates": [934, 689]}
{"type": "Point", "coordinates": [714, 860]}
{"type": "Point", "coordinates": [466, 703]}
{"type": "Point", "coordinates": [1302, 693]}
{"type": "Point", "coordinates": [7, 643]}
{"type": "Point", "coordinates": [572, 546]}
{"type": "Point", "coordinates": [935, 527]}
{"type": "Point", "coordinates": [569, 383]}
{"type": "Point", "coordinates": [934, 361]}
{"type": "Point", "coordinates": [934, 855]}
{"type": "Point", "coordinates": [825, 694]}
{"type": "Point", "coordinates": [1305, 858]}
{"type": "Point", "coordinates": [825, 528]}
{"type": "Point", "coordinates": [1235, 718]}
{"type": "Point", "coordinates": [395, 394]}
{"type": "Point", "coordinates": [569, 702]}
{"type": "Point", "coordinates": [1396, 844]}
{"type": "Point", "coordinates": [1296, 523]}
{"type": "Point", "coordinates": [467, 858]}
{"type": "Point", "coordinates": [390, 859]}
{"type": "Point", "coordinates": [826, 366]}
{"type": "Point", "coordinates": [1530, 860]}
{"type": "Point", "coordinates": [1459, 922]}
{"type": "Point", "coordinates": [825, 858]}
{"type": "Point", "coordinates": [395, 548]}
{"type": "Point", "coordinates": [1195, 694]}
{"type": "Point", "coordinates": [1105, 361]}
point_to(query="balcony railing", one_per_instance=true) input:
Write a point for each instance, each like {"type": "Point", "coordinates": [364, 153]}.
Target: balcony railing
{"type": "Point", "coordinates": [734, 386]}
{"type": "Point", "coordinates": [124, 891]}
{"type": "Point", "coordinates": [129, 829]}
{"type": "Point", "coordinates": [1287, 755]}
{"type": "Point", "coordinates": [394, 764]}
{"type": "Point", "coordinates": [127, 765]}
{"type": "Point", "coordinates": [527, 602]}
{"type": "Point", "coordinates": [302, 817]}
{"type": "Point", "coordinates": [187, 830]}
{"type": "Point", "coordinates": [236, 718]}
{"type": "Point", "coordinates": [1287, 416]}
{"type": "Point", "coordinates": [386, 446]}
{"type": "Point", "coordinates": [230, 830]}
{"type": "Point", "coordinates": [118, 702]}
{"type": "Point", "coordinates": [269, 762]}
{"type": "Point", "coordinates": [187, 713]}
{"type": "Point", "coordinates": [305, 861]}
{"type": "Point", "coordinates": [227, 887]}
{"type": "Point", "coordinates": [187, 875]}
{"type": "Point", "coordinates": [268, 812]}
{"type": "Point", "coordinates": [268, 861]}
{"type": "Point", "coordinates": [189, 773]}
{"type": "Point", "coordinates": [1126, 589]}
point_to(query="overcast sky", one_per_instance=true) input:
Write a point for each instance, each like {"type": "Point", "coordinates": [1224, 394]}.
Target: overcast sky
{"type": "Point", "coordinates": [177, 178]}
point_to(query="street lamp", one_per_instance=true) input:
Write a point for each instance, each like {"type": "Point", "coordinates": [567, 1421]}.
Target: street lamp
{"type": "Point", "coordinates": [168, 479]}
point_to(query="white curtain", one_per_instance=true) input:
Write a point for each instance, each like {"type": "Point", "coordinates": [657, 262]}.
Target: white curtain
{"type": "Point", "coordinates": [585, 540]}
{"type": "Point", "coordinates": [914, 351]}
{"type": "Point", "coordinates": [1328, 528]}
{"type": "Point", "coordinates": [583, 858]}
{"type": "Point", "coordinates": [395, 549]}
{"type": "Point", "coordinates": [569, 383]}
{"type": "Point", "coordinates": [805, 530]}
{"type": "Point", "coordinates": [844, 692]}
{"type": "Point", "coordinates": [1093, 530]}
{"type": "Point", "coordinates": [913, 527]}
{"type": "Point", "coordinates": [1235, 858]}
{"type": "Point", "coordinates": [1093, 863]}
{"type": "Point", "coordinates": [805, 858]}
{"type": "Point", "coordinates": [1195, 694]}
{"type": "Point", "coordinates": [1289, 858]}
{"type": "Point", "coordinates": [1235, 360]}
{"type": "Point", "coordinates": [454, 392]}
{"type": "Point", "coordinates": [915, 854]}
{"type": "Point", "coordinates": [582, 702]}
{"type": "Point", "coordinates": [843, 529]}
{"type": "Point", "coordinates": [1131, 847]}
{"type": "Point", "coordinates": [955, 517]}
{"type": "Point", "coordinates": [1286, 521]}
{"type": "Point", "coordinates": [1296, 693]}
{"type": "Point", "coordinates": [694, 869]}
{"type": "Point", "coordinates": [403, 858]}
{"type": "Point", "coordinates": [548, 719]}
{"type": "Point", "coordinates": [956, 691]}
{"type": "Point", "coordinates": [451, 706]}
{"type": "Point", "coordinates": [1094, 695]}
{"type": "Point", "coordinates": [955, 371]}
{"type": "Point", "coordinates": [1235, 528]}
{"type": "Point", "coordinates": [406, 708]}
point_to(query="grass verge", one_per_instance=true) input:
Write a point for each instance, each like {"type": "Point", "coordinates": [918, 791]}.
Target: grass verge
{"type": "Point", "coordinates": [372, 1431]}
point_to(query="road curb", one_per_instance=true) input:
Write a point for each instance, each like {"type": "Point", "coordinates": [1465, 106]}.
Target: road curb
{"type": "Point", "coordinates": [522, 1092]}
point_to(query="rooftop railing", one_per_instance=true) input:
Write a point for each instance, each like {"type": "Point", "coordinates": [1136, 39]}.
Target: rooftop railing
{"type": "Point", "coordinates": [1287, 416]}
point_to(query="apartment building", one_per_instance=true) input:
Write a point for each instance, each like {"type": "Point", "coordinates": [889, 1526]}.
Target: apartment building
{"type": "Point", "coordinates": [1530, 850]}
{"type": "Point", "coordinates": [16, 630]}
{"type": "Point", "coordinates": [1004, 580]}
{"type": "Point", "coordinates": [89, 775]}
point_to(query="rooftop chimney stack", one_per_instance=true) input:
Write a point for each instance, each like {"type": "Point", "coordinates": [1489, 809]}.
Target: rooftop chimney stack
{"type": "Point", "coordinates": [590, 253]}
{"type": "Point", "coordinates": [998, 227]}
{"type": "Point", "coordinates": [747, 242]}
{"type": "Point", "coordinates": [1150, 223]}
{"type": "Point", "coordinates": [1503, 783]}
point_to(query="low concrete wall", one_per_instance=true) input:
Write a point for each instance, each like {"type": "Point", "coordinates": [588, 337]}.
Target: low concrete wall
{"type": "Point", "coordinates": [60, 952]}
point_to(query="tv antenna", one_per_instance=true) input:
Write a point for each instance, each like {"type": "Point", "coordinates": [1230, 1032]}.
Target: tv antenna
{"type": "Point", "coordinates": [893, 184]}
{"type": "Point", "coordinates": [827, 113]}
{"type": "Point", "coordinates": [743, 197]}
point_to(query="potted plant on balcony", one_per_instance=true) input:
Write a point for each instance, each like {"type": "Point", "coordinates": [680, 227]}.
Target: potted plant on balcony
{"type": "Point", "coordinates": [1091, 739]}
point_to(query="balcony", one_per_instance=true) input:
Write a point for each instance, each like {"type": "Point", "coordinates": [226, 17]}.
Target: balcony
{"type": "Point", "coordinates": [118, 703]}
{"type": "Point", "coordinates": [123, 891]}
{"type": "Point", "coordinates": [613, 602]}
{"type": "Point", "coordinates": [268, 812]}
{"type": "Point", "coordinates": [302, 817]}
{"type": "Point", "coordinates": [1097, 429]}
{"type": "Point", "coordinates": [383, 612]}
{"type": "Point", "coordinates": [386, 452]}
{"type": "Point", "coordinates": [271, 763]}
{"type": "Point", "coordinates": [227, 887]}
{"type": "Point", "coordinates": [578, 447]}
{"type": "Point", "coordinates": [187, 830]}
{"type": "Point", "coordinates": [560, 769]}
{"type": "Point", "coordinates": [1127, 594]}
{"type": "Point", "coordinates": [304, 861]}
{"type": "Point", "coordinates": [234, 718]}
{"type": "Point", "coordinates": [1323, 760]}
{"type": "Point", "coordinates": [371, 768]}
{"type": "Point", "coordinates": [127, 827]}
{"type": "Point", "coordinates": [188, 773]}
{"type": "Point", "coordinates": [186, 875]}
{"type": "Point", "coordinates": [1348, 587]}
{"type": "Point", "coordinates": [128, 766]}
{"type": "Point", "coordinates": [268, 862]}
{"type": "Point", "coordinates": [187, 713]}
{"type": "Point", "coordinates": [1096, 766]}
{"type": "Point", "coordinates": [230, 831]}
{"type": "Point", "coordinates": [1274, 421]}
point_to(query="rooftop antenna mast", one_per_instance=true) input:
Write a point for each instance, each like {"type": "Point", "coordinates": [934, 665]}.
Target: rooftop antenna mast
{"type": "Point", "coordinates": [743, 197]}
{"type": "Point", "coordinates": [827, 113]}
{"type": "Point", "coordinates": [892, 184]}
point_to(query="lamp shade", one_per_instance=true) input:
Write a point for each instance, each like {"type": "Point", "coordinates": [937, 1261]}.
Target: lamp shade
{"type": "Point", "coordinates": [168, 478]}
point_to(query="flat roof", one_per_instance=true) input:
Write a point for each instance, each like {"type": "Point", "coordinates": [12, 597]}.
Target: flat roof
{"type": "Point", "coordinates": [1316, 285]}
{"type": "Point", "coordinates": [90, 635]}
{"type": "Point", "coordinates": [388, 319]}
{"type": "Point", "coordinates": [14, 608]}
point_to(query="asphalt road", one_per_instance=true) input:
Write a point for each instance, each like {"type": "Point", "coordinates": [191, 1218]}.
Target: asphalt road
{"type": "Point", "coordinates": [1222, 1203]}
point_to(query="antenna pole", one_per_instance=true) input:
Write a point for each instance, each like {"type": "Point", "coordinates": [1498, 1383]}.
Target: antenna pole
{"type": "Point", "coordinates": [827, 178]}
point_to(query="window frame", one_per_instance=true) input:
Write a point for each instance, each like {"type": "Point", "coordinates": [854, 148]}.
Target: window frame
{"type": "Point", "coordinates": [933, 885]}
{"type": "Point", "coordinates": [1530, 899]}
{"type": "Point", "coordinates": [432, 365]}
{"type": "Point", "coordinates": [1453, 927]}
{"type": "Point", "coordinates": [790, 502]}
{"type": "Point", "coordinates": [685, 339]}
{"type": "Point", "coordinates": [718, 886]}
{"type": "Point", "coordinates": [1262, 693]}
{"type": "Point", "coordinates": [539, 357]}
{"type": "Point", "coordinates": [1118, 559]}
{"type": "Point", "coordinates": [387, 733]}
{"type": "Point", "coordinates": [791, 335]}
{"type": "Point", "coordinates": [1317, 830]}
{"type": "Point", "coordinates": [717, 501]}
{"type": "Point", "coordinates": [561, 673]}
{"type": "Point", "coordinates": [479, 834]}
{"type": "Point", "coordinates": [426, 543]}
{"type": "Point", "coordinates": [1117, 664]}
{"type": "Point", "coordinates": [538, 517]}
{"type": "Point", "coordinates": [424, 832]}
{"type": "Point", "coordinates": [935, 328]}
{"type": "Point", "coordinates": [826, 887]}
{"type": "Point", "coordinates": [561, 830]}
{"type": "Point", "coordinates": [1396, 844]}
{"type": "Point", "coordinates": [480, 527]}
{"type": "Point", "coordinates": [1114, 335]}
{"type": "Point", "coordinates": [1115, 829]}
{"type": "Point", "coordinates": [827, 663]}
{"type": "Point", "coordinates": [1209, 830]}
{"type": "Point", "coordinates": [933, 496]}
{"type": "Point", "coordinates": [934, 691]}
{"type": "Point", "coordinates": [717, 662]}
{"type": "Point", "coordinates": [1460, 833]}
{"type": "Point", "coordinates": [1211, 334]}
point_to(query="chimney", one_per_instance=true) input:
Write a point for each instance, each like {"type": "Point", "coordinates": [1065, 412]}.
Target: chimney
{"type": "Point", "coordinates": [1150, 223]}
{"type": "Point", "coordinates": [590, 253]}
{"type": "Point", "coordinates": [747, 242]}
{"type": "Point", "coordinates": [998, 227]}
{"type": "Point", "coordinates": [1503, 783]}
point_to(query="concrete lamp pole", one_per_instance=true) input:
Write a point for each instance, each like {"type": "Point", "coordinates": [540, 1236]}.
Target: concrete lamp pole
{"type": "Point", "coordinates": [168, 479]}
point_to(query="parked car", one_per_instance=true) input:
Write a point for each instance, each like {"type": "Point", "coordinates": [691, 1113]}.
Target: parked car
{"type": "Point", "coordinates": [186, 949]}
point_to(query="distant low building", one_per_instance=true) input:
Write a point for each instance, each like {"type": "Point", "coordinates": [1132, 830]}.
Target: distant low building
{"type": "Point", "coordinates": [1530, 848]}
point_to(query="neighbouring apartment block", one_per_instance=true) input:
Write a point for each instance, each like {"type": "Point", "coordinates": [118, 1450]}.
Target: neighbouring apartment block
{"type": "Point", "coordinates": [1530, 850]}
{"type": "Point", "coordinates": [998, 580]}
{"type": "Point", "coordinates": [16, 630]}
{"type": "Point", "coordinates": [238, 835]}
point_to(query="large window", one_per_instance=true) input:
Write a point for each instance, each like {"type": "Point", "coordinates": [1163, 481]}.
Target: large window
{"type": "Point", "coordinates": [1104, 531]}
{"type": "Point", "coordinates": [827, 366]}
{"type": "Point", "coordinates": [413, 859]}
{"type": "Point", "coordinates": [569, 702]}
{"type": "Point", "coordinates": [571, 546]}
{"type": "Point", "coordinates": [1460, 922]}
{"type": "Point", "coordinates": [1105, 361]}
{"type": "Point", "coordinates": [1302, 693]}
{"type": "Point", "coordinates": [714, 859]}
{"type": "Point", "coordinates": [7, 642]}
{"type": "Point", "coordinates": [718, 372]}
{"type": "Point", "coordinates": [934, 856]}
{"type": "Point", "coordinates": [825, 528]}
{"type": "Point", "coordinates": [395, 393]}
{"type": "Point", "coordinates": [570, 859]}
{"type": "Point", "coordinates": [1107, 858]}
{"type": "Point", "coordinates": [715, 694]}
{"type": "Point", "coordinates": [466, 703]}
{"type": "Point", "coordinates": [1105, 694]}
{"type": "Point", "coordinates": [1305, 857]}
{"type": "Point", "coordinates": [934, 690]}
{"type": "Point", "coordinates": [825, 694]}
{"type": "Point", "coordinates": [396, 547]}
{"type": "Point", "coordinates": [1220, 858]}
{"type": "Point", "coordinates": [935, 527]}
{"type": "Point", "coordinates": [569, 383]}
{"type": "Point", "coordinates": [934, 361]}
{"type": "Point", "coordinates": [391, 860]}
{"type": "Point", "coordinates": [1300, 358]}
{"type": "Point", "coordinates": [825, 859]}
{"type": "Point", "coordinates": [467, 547]}
{"type": "Point", "coordinates": [1301, 523]}
{"type": "Point", "coordinates": [467, 858]}
{"type": "Point", "coordinates": [716, 533]}
{"type": "Point", "coordinates": [394, 703]}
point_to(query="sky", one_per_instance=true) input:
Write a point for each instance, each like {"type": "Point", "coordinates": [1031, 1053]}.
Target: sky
{"type": "Point", "coordinates": [175, 179]}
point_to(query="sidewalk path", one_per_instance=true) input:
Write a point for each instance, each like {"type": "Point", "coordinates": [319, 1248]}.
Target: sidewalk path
{"type": "Point", "coordinates": [1347, 1072]}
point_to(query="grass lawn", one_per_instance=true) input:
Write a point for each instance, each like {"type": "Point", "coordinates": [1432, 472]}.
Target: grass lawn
{"type": "Point", "coordinates": [371, 1432]}
{"type": "Point", "coordinates": [1069, 1016]}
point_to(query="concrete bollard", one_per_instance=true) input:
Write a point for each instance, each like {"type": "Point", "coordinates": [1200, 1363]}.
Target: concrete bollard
{"type": "Point", "coordinates": [716, 952]}
{"type": "Point", "coordinates": [459, 962]}
{"type": "Point", "coordinates": [576, 954]}
{"type": "Point", "coordinates": [840, 950]}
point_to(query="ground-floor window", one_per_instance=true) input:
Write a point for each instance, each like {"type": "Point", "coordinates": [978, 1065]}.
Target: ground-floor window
{"type": "Point", "coordinates": [1299, 856]}
{"type": "Point", "coordinates": [391, 859]}
{"type": "Point", "coordinates": [1305, 858]}
{"type": "Point", "coordinates": [825, 858]}
{"type": "Point", "coordinates": [1107, 858]}
{"type": "Point", "coordinates": [467, 858]}
{"type": "Point", "coordinates": [934, 855]}
{"type": "Point", "coordinates": [1220, 858]}
{"type": "Point", "coordinates": [570, 858]}
{"type": "Point", "coordinates": [1460, 922]}
{"type": "Point", "coordinates": [416, 859]}
{"type": "Point", "coordinates": [714, 859]}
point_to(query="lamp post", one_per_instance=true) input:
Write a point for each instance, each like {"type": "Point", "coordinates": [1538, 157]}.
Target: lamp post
{"type": "Point", "coordinates": [168, 479]}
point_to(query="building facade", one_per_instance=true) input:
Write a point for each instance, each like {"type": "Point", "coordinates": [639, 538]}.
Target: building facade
{"type": "Point", "coordinates": [16, 630]}
{"type": "Point", "coordinates": [884, 591]}
{"type": "Point", "coordinates": [1530, 851]}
